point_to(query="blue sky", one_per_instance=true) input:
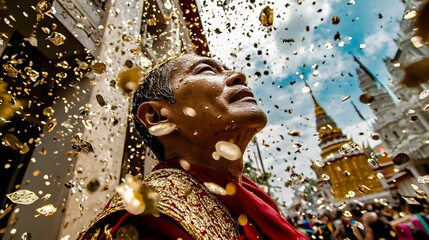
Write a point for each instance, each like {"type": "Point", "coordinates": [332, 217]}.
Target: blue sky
{"type": "Point", "coordinates": [287, 64]}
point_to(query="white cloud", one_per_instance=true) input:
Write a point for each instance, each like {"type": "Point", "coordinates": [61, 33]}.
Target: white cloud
{"type": "Point", "coordinates": [375, 42]}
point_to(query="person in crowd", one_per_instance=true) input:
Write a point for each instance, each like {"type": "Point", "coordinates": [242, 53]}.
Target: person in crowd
{"type": "Point", "coordinates": [415, 225]}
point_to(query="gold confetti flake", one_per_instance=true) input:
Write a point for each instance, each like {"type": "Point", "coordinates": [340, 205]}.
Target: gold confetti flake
{"type": "Point", "coordinates": [46, 197]}
{"type": "Point", "coordinates": [57, 38]}
{"type": "Point", "coordinates": [319, 163]}
{"type": "Point", "coordinates": [99, 67]}
{"type": "Point", "coordinates": [216, 189]}
{"type": "Point", "coordinates": [266, 17]}
{"type": "Point", "coordinates": [231, 189]}
{"type": "Point", "coordinates": [48, 111]}
{"type": "Point", "coordinates": [47, 210]}
{"type": "Point", "coordinates": [364, 189]}
{"type": "Point", "coordinates": [11, 141]}
{"type": "Point", "coordinates": [345, 98]}
{"type": "Point", "coordinates": [401, 158]}
{"type": "Point", "coordinates": [411, 200]}
{"type": "Point", "coordinates": [420, 194]}
{"type": "Point", "coordinates": [22, 196]}
{"type": "Point", "coordinates": [335, 20]}
{"type": "Point", "coordinates": [242, 220]}
{"type": "Point", "coordinates": [10, 70]}
{"type": "Point", "coordinates": [43, 7]}
{"type": "Point", "coordinates": [294, 133]}
{"type": "Point", "coordinates": [128, 81]}
{"type": "Point", "coordinates": [348, 148]}
{"type": "Point", "coordinates": [228, 150]}
{"type": "Point", "coordinates": [325, 177]}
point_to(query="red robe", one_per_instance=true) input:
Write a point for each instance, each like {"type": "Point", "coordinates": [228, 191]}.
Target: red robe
{"type": "Point", "coordinates": [264, 219]}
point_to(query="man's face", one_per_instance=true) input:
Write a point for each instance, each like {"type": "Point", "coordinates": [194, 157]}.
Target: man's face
{"type": "Point", "coordinates": [211, 99]}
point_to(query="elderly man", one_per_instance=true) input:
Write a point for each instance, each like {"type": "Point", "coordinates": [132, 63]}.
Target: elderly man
{"type": "Point", "coordinates": [197, 116]}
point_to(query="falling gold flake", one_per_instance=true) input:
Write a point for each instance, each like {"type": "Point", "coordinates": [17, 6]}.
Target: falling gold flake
{"type": "Point", "coordinates": [347, 214]}
{"type": "Point", "coordinates": [63, 64]}
{"type": "Point", "coordinates": [57, 38]}
{"type": "Point", "coordinates": [51, 124]}
{"type": "Point", "coordinates": [98, 67]}
{"type": "Point", "coordinates": [100, 100]}
{"type": "Point", "coordinates": [48, 111]}
{"type": "Point", "coordinates": [366, 98]}
{"type": "Point", "coordinates": [47, 210]}
{"type": "Point", "coordinates": [214, 188]}
{"type": "Point", "coordinates": [36, 173]}
{"type": "Point", "coordinates": [424, 94]}
{"type": "Point", "coordinates": [26, 236]}
{"type": "Point", "coordinates": [409, 14]}
{"type": "Point", "coordinates": [43, 6]}
{"type": "Point", "coordinates": [242, 220]}
{"type": "Point", "coordinates": [305, 89]}
{"type": "Point", "coordinates": [335, 20]}
{"type": "Point", "coordinates": [266, 17]}
{"type": "Point", "coordinates": [32, 74]}
{"type": "Point", "coordinates": [411, 200]}
{"type": "Point", "coordinates": [294, 133]}
{"type": "Point", "coordinates": [401, 158]}
{"type": "Point", "coordinates": [188, 111]}
{"type": "Point", "coordinates": [420, 194]}
{"type": "Point", "coordinates": [10, 70]}
{"type": "Point", "coordinates": [137, 198]}
{"type": "Point", "coordinates": [348, 148]}
{"type": "Point", "coordinates": [11, 141]}
{"type": "Point", "coordinates": [319, 163]}
{"type": "Point", "coordinates": [185, 164]}
{"type": "Point", "coordinates": [363, 189]}
{"type": "Point", "coordinates": [24, 148]}
{"type": "Point", "coordinates": [22, 196]}
{"type": "Point", "coordinates": [128, 81]}
{"type": "Point", "coordinates": [350, 194]}
{"type": "Point", "coordinates": [329, 45]}
{"type": "Point", "coordinates": [230, 188]}
{"type": "Point", "coordinates": [46, 197]}
{"type": "Point", "coordinates": [345, 98]}
{"type": "Point", "coordinates": [417, 41]}
{"type": "Point", "coordinates": [227, 150]}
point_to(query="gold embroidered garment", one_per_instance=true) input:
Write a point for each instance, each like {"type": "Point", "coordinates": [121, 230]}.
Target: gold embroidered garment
{"type": "Point", "coordinates": [188, 202]}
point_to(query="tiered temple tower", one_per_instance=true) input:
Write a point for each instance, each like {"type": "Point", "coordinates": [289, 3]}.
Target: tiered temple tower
{"type": "Point", "coordinates": [345, 162]}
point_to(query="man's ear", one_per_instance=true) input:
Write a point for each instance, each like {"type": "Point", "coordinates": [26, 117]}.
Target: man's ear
{"type": "Point", "coordinates": [149, 113]}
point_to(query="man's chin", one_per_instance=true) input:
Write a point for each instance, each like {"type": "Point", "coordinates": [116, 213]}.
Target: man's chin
{"type": "Point", "coordinates": [253, 120]}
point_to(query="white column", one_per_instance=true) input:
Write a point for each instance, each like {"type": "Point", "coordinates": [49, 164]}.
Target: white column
{"type": "Point", "coordinates": [123, 21]}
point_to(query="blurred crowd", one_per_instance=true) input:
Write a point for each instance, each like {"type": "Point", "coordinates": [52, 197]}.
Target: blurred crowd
{"type": "Point", "coordinates": [358, 221]}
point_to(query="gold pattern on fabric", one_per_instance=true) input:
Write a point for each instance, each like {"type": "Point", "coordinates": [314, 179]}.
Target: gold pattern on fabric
{"type": "Point", "coordinates": [187, 201]}
{"type": "Point", "coordinates": [191, 204]}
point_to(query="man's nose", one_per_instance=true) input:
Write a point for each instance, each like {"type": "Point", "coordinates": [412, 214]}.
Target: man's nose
{"type": "Point", "coordinates": [236, 78]}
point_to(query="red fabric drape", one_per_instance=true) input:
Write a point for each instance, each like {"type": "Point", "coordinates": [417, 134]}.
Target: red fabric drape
{"type": "Point", "coordinates": [264, 219]}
